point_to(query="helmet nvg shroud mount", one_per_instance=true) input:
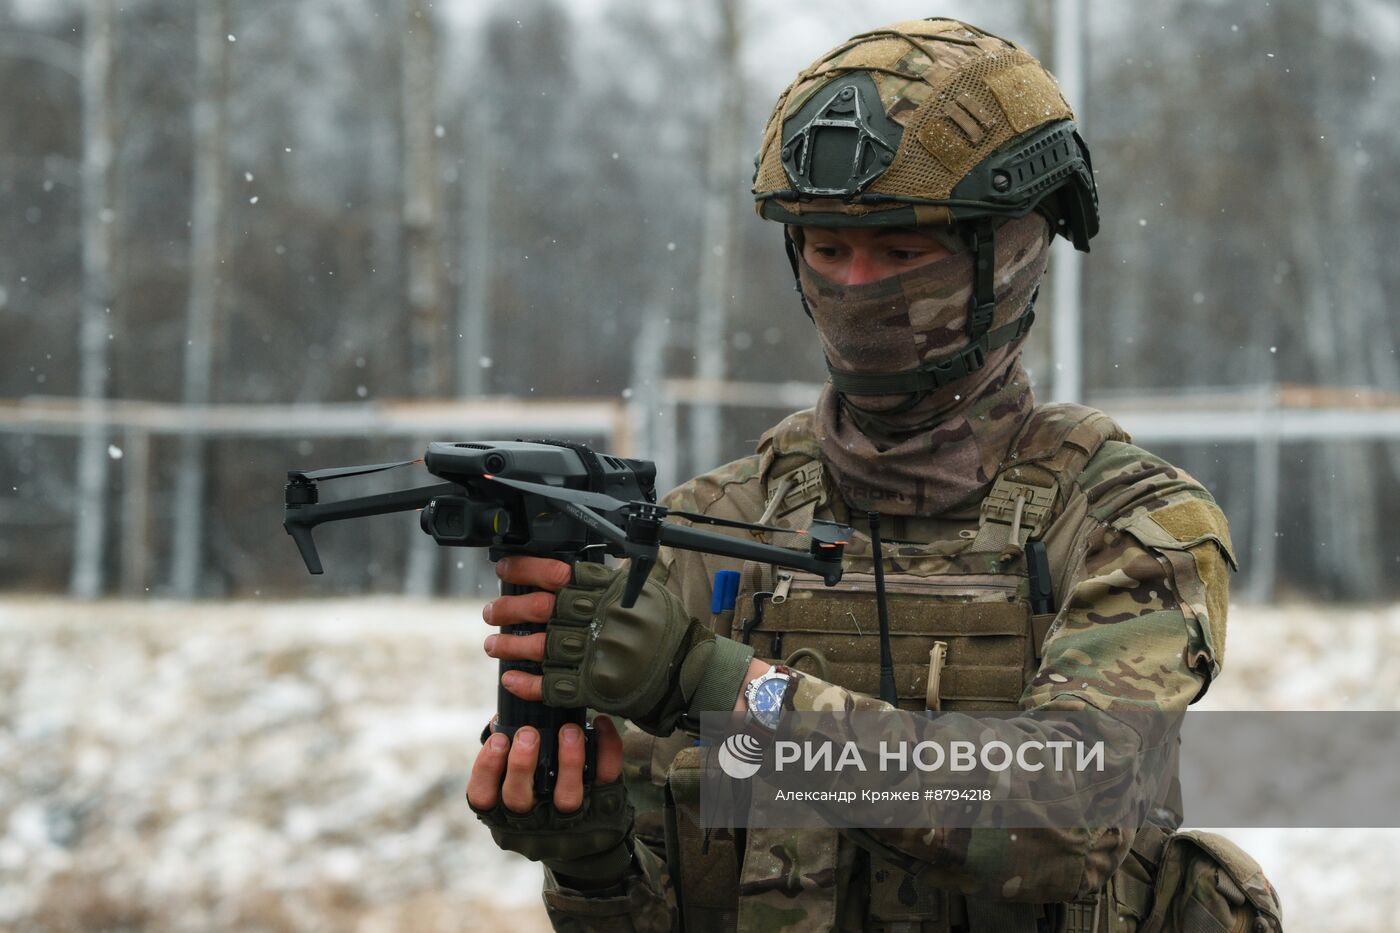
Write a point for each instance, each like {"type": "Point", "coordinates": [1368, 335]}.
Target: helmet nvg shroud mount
{"type": "Point", "coordinates": [929, 122]}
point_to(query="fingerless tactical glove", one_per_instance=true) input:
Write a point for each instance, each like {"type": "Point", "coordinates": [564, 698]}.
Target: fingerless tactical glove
{"type": "Point", "coordinates": [588, 848]}
{"type": "Point", "coordinates": [651, 663]}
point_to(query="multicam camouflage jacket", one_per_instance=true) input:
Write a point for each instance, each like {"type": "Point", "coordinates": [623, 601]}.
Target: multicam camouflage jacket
{"type": "Point", "coordinates": [1139, 555]}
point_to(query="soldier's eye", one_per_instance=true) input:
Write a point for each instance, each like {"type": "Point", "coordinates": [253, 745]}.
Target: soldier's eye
{"type": "Point", "coordinates": [908, 255]}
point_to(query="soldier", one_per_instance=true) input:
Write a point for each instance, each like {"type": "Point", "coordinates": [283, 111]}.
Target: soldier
{"type": "Point", "coordinates": [921, 171]}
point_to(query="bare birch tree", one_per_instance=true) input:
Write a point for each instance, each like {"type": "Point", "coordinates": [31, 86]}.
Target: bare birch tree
{"type": "Point", "coordinates": [207, 207]}
{"type": "Point", "coordinates": [1066, 280]}
{"type": "Point", "coordinates": [1343, 484]}
{"type": "Point", "coordinates": [95, 321]}
{"type": "Point", "coordinates": [715, 289]}
{"type": "Point", "coordinates": [422, 245]}
{"type": "Point", "coordinates": [476, 238]}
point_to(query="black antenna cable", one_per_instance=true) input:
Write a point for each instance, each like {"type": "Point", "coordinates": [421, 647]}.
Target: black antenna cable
{"type": "Point", "coordinates": [887, 688]}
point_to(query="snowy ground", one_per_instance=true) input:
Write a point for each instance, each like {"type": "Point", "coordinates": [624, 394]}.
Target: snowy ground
{"type": "Point", "coordinates": [1319, 658]}
{"type": "Point", "coordinates": [299, 766]}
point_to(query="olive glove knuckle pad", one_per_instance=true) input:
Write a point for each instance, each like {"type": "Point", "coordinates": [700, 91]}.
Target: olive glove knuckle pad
{"type": "Point", "coordinates": [651, 663]}
{"type": "Point", "coordinates": [592, 843]}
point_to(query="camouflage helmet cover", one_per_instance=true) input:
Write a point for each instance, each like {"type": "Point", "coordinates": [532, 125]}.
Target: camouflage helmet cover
{"type": "Point", "coordinates": [925, 122]}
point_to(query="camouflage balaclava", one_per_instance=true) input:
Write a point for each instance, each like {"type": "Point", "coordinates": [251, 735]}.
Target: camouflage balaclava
{"type": "Point", "coordinates": [924, 453]}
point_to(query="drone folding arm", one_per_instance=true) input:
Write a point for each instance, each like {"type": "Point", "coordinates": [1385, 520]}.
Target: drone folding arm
{"type": "Point", "coordinates": [826, 566]}
{"type": "Point", "coordinates": [301, 517]}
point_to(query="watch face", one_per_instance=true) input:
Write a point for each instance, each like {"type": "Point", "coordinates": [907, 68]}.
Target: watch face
{"type": "Point", "coordinates": [767, 700]}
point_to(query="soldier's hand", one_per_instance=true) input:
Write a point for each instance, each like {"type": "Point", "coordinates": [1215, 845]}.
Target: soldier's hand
{"type": "Point", "coordinates": [504, 772]}
{"type": "Point", "coordinates": [584, 834]}
{"type": "Point", "coordinates": [651, 663]}
{"type": "Point", "coordinates": [547, 575]}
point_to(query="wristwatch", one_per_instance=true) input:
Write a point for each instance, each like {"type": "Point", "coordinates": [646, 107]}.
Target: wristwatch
{"type": "Point", "coordinates": [764, 695]}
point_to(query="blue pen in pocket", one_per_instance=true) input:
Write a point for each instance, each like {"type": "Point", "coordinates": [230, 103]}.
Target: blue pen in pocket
{"type": "Point", "coordinates": [725, 592]}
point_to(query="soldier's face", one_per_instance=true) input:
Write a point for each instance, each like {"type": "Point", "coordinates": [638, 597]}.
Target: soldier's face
{"type": "Point", "coordinates": [858, 255]}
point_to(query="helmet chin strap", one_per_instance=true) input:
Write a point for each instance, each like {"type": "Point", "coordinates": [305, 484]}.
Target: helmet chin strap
{"type": "Point", "coordinates": [981, 240]}
{"type": "Point", "coordinates": [791, 246]}
{"type": "Point", "coordinates": [937, 373]}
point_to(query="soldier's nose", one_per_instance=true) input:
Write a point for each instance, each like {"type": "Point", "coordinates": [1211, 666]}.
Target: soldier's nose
{"type": "Point", "coordinates": [864, 268]}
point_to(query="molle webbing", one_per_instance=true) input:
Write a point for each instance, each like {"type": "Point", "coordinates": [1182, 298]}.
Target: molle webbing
{"type": "Point", "coordinates": [988, 643]}
{"type": "Point", "coordinates": [1048, 454]}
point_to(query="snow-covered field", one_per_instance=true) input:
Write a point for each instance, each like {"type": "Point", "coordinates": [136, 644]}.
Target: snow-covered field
{"type": "Point", "coordinates": [1309, 657]}
{"type": "Point", "coordinates": [300, 766]}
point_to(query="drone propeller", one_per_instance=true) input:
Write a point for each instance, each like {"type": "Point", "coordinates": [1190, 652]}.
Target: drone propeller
{"type": "Point", "coordinates": [724, 522]}
{"type": "Point", "coordinates": [824, 532]}
{"type": "Point", "coordinates": [339, 472]}
{"type": "Point", "coordinates": [590, 500]}
{"type": "Point", "coordinates": [828, 533]}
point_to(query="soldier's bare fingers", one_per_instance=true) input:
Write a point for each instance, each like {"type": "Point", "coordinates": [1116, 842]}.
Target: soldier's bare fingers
{"type": "Point", "coordinates": [568, 785]}
{"type": "Point", "coordinates": [484, 785]}
{"type": "Point", "coordinates": [543, 572]}
{"type": "Point", "coordinates": [510, 610]}
{"type": "Point", "coordinates": [518, 789]}
{"type": "Point", "coordinates": [526, 686]}
{"type": "Point", "coordinates": [609, 750]}
{"type": "Point", "coordinates": [516, 647]}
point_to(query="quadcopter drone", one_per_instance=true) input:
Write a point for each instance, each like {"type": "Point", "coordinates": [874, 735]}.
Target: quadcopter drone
{"type": "Point", "coordinates": [548, 499]}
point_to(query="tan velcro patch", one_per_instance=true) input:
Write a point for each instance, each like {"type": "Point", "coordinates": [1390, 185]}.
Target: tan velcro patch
{"type": "Point", "coordinates": [931, 214]}
{"type": "Point", "coordinates": [1210, 565]}
{"type": "Point", "coordinates": [1198, 520]}
{"type": "Point", "coordinates": [965, 121]}
{"type": "Point", "coordinates": [1028, 96]}
{"type": "Point", "coordinates": [1193, 519]}
{"type": "Point", "coordinates": [943, 140]}
{"type": "Point", "coordinates": [987, 117]}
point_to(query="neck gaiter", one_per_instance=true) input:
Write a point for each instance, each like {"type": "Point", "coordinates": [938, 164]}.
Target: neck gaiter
{"type": "Point", "coordinates": [923, 454]}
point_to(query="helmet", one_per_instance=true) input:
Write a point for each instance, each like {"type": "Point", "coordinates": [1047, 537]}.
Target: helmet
{"type": "Point", "coordinates": [925, 122]}
{"type": "Point", "coordinates": [928, 121]}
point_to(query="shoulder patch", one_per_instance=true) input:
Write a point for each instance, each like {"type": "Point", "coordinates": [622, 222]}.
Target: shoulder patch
{"type": "Point", "coordinates": [1191, 521]}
